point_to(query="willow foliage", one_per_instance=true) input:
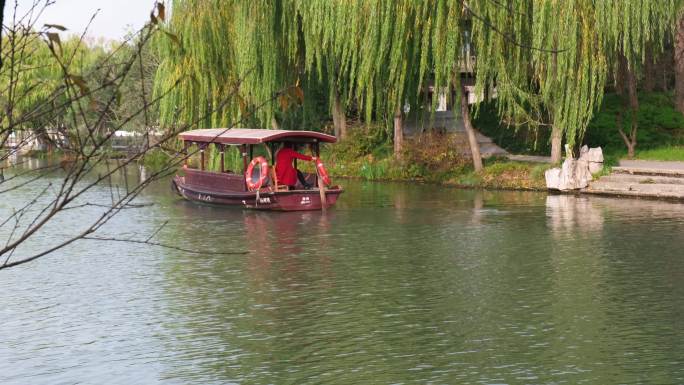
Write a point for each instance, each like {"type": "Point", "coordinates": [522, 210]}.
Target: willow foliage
{"type": "Point", "coordinates": [229, 61]}
{"type": "Point", "coordinates": [381, 53]}
{"type": "Point", "coordinates": [550, 59]}
{"type": "Point", "coordinates": [547, 61]}
{"type": "Point", "coordinates": [630, 26]}
{"type": "Point", "coordinates": [378, 53]}
{"type": "Point", "coordinates": [33, 75]}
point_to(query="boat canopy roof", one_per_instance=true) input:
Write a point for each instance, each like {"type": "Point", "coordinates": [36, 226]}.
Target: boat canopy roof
{"type": "Point", "coordinates": [253, 136]}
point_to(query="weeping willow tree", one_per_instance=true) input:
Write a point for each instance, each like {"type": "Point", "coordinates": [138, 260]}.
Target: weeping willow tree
{"type": "Point", "coordinates": [553, 73]}
{"type": "Point", "coordinates": [377, 54]}
{"type": "Point", "coordinates": [30, 75]}
{"type": "Point", "coordinates": [546, 62]}
{"type": "Point", "coordinates": [229, 62]}
{"type": "Point", "coordinates": [382, 54]}
{"type": "Point", "coordinates": [33, 81]}
{"type": "Point", "coordinates": [549, 60]}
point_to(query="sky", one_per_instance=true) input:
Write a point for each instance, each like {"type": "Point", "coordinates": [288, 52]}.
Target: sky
{"type": "Point", "coordinates": [114, 19]}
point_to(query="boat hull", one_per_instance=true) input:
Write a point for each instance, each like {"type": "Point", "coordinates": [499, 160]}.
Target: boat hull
{"type": "Point", "coordinates": [296, 200]}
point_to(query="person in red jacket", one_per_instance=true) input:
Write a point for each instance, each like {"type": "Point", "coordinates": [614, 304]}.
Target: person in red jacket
{"type": "Point", "coordinates": [286, 173]}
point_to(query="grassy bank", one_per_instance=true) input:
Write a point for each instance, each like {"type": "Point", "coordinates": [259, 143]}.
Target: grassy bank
{"type": "Point", "coordinates": [668, 153]}
{"type": "Point", "coordinates": [429, 159]}
{"type": "Point", "coordinates": [497, 173]}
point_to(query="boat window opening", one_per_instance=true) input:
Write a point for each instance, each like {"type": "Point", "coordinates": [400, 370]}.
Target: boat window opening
{"type": "Point", "coordinates": [212, 157]}
{"type": "Point", "coordinates": [223, 158]}
{"type": "Point", "coordinates": [233, 159]}
{"type": "Point", "coordinates": [195, 155]}
{"type": "Point", "coordinates": [273, 147]}
{"type": "Point", "coordinates": [260, 150]}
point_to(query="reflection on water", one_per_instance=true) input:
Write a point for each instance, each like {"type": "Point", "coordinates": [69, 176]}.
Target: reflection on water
{"type": "Point", "coordinates": [569, 213]}
{"type": "Point", "coordinates": [398, 283]}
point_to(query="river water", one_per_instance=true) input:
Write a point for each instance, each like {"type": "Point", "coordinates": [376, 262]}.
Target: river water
{"type": "Point", "coordinates": [399, 283]}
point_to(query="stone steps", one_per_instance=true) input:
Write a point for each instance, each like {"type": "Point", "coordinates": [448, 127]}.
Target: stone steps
{"type": "Point", "coordinates": [490, 149]}
{"type": "Point", "coordinates": [648, 171]}
{"type": "Point", "coordinates": [641, 179]}
{"type": "Point", "coordinates": [646, 179]}
{"type": "Point", "coordinates": [656, 190]}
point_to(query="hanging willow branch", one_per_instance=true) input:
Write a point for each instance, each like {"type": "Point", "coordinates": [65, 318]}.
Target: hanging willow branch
{"type": "Point", "coordinates": [547, 84]}
{"type": "Point", "coordinates": [547, 60]}
{"type": "Point", "coordinates": [507, 37]}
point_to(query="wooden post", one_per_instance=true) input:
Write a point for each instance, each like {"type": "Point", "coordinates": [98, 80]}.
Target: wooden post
{"type": "Point", "coordinates": [221, 152]}
{"type": "Point", "coordinates": [243, 151]}
{"type": "Point", "coordinates": [186, 144]}
{"type": "Point", "coordinates": [202, 147]}
{"type": "Point", "coordinates": [319, 180]}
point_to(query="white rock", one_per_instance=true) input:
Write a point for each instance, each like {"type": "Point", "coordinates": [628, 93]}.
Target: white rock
{"type": "Point", "coordinates": [552, 177]}
{"type": "Point", "coordinates": [573, 174]}
{"type": "Point", "coordinates": [583, 150]}
{"type": "Point", "coordinates": [595, 167]}
{"type": "Point", "coordinates": [591, 154]}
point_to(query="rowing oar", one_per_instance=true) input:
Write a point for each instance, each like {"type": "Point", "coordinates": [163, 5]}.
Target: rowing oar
{"type": "Point", "coordinates": [321, 190]}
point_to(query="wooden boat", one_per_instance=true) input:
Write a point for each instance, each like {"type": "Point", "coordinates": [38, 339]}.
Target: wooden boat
{"type": "Point", "coordinates": [251, 188]}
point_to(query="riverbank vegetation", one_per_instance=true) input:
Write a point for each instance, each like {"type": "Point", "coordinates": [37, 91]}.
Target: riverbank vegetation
{"type": "Point", "coordinates": [314, 75]}
{"type": "Point", "coordinates": [433, 158]}
{"type": "Point", "coordinates": [252, 66]}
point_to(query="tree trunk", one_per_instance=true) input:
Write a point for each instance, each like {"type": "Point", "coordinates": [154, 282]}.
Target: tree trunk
{"type": "Point", "coordinates": [649, 70]}
{"type": "Point", "coordinates": [620, 77]}
{"type": "Point", "coordinates": [470, 131]}
{"type": "Point", "coordinates": [339, 118]}
{"type": "Point", "coordinates": [398, 133]}
{"type": "Point", "coordinates": [631, 88]}
{"type": "Point", "coordinates": [629, 140]}
{"type": "Point", "coordinates": [2, 13]}
{"type": "Point", "coordinates": [666, 69]}
{"type": "Point", "coordinates": [630, 105]}
{"type": "Point", "coordinates": [679, 64]}
{"type": "Point", "coordinates": [556, 142]}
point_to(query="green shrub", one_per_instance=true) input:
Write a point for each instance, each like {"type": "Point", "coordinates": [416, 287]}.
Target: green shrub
{"type": "Point", "coordinates": [659, 123]}
{"type": "Point", "coordinates": [362, 140]}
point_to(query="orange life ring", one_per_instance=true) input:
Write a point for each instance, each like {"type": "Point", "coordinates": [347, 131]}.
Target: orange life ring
{"type": "Point", "coordinates": [263, 173]}
{"type": "Point", "coordinates": [322, 172]}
